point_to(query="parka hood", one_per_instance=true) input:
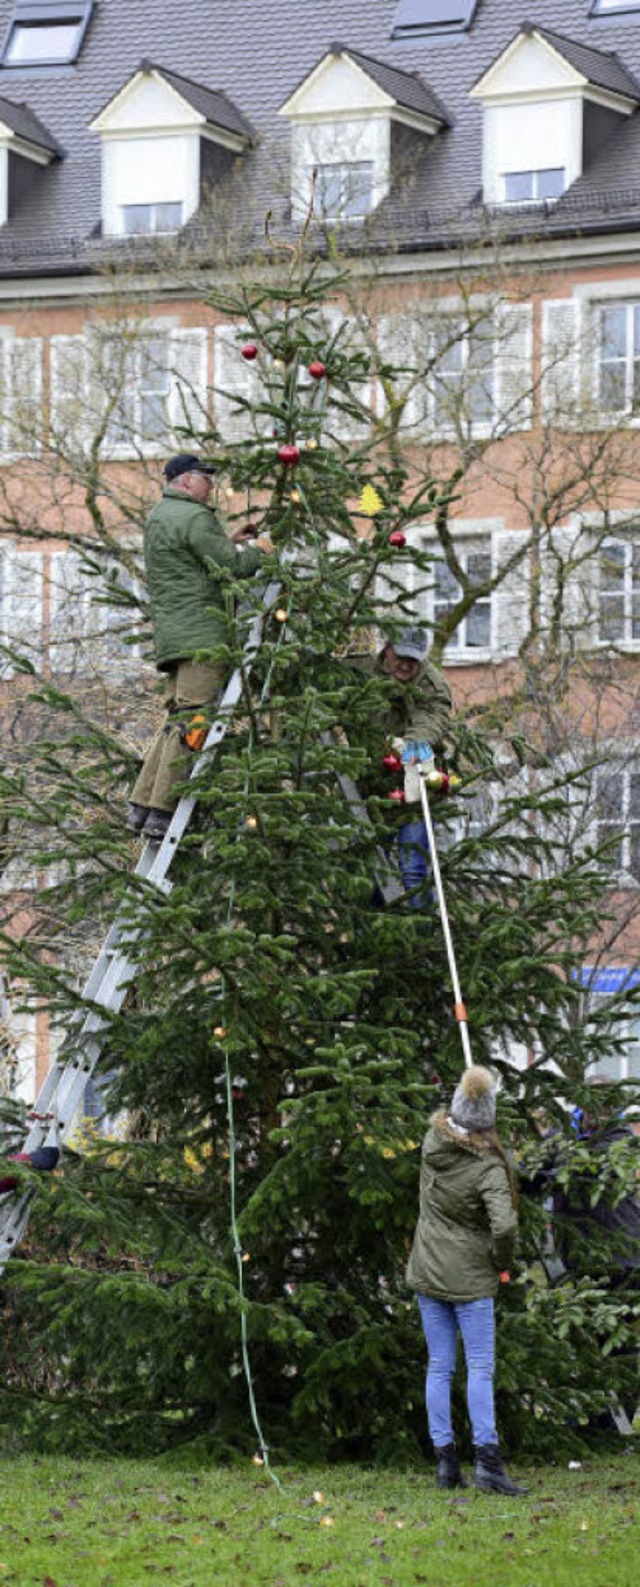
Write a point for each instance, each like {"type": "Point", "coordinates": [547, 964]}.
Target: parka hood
{"type": "Point", "coordinates": [445, 1137]}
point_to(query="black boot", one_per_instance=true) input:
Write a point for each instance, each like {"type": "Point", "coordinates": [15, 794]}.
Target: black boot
{"type": "Point", "coordinates": [448, 1473]}
{"type": "Point", "coordinates": [490, 1475]}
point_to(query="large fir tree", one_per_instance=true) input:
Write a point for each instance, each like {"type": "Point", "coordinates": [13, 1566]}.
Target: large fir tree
{"type": "Point", "coordinates": [287, 1036]}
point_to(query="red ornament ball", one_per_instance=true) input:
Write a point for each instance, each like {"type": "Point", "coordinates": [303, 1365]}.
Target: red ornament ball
{"type": "Point", "coordinates": [289, 454]}
{"type": "Point", "coordinates": [316, 369]}
{"type": "Point", "coordinates": [392, 762]}
{"type": "Point", "coordinates": [249, 351]}
{"type": "Point", "coordinates": [397, 538]}
{"type": "Point", "coordinates": [398, 794]}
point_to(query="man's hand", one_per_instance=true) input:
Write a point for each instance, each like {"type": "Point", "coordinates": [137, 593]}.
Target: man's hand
{"type": "Point", "coordinates": [247, 532]}
{"type": "Point", "coordinates": [264, 543]}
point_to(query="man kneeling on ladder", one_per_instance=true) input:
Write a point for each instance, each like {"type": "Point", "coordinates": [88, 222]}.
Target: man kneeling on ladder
{"type": "Point", "coordinates": [185, 548]}
{"type": "Point", "coordinates": [414, 724]}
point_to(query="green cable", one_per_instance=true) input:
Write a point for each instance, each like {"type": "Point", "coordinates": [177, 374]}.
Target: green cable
{"type": "Point", "coordinates": [235, 1233]}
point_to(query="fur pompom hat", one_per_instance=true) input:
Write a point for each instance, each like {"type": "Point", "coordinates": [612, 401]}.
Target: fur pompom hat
{"type": "Point", "coordinates": [474, 1099]}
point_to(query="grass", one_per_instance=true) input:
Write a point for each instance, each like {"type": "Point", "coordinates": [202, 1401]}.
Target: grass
{"type": "Point", "coordinates": [98, 1523]}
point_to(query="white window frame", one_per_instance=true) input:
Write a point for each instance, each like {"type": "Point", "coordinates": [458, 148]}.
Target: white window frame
{"type": "Point", "coordinates": [613, 8]}
{"type": "Point", "coordinates": [471, 536]}
{"type": "Point", "coordinates": [630, 587]}
{"type": "Point", "coordinates": [344, 167]}
{"type": "Point", "coordinates": [154, 230]}
{"type": "Point", "coordinates": [418, 344]}
{"type": "Point", "coordinates": [621, 877]}
{"type": "Point", "coordinates": [535, 199]}
{"type": "Point", "coordinates": [90, 351]}
{"type": "Point", "coordinates": [626, 416]}
{"type": "Point", "coordinates": [28, 14]}
{"type": "Point", "coordinates": [618, 1066]}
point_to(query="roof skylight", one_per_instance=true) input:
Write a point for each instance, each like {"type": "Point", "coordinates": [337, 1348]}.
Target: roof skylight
{"type": "Point", "coordinates": [414, 17]}
{"type": "Point", "coordinates": [46, 34]}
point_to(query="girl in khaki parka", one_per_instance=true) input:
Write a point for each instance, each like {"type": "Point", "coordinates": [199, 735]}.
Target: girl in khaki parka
{"type": "Point", "coordinates": [463, 1242]}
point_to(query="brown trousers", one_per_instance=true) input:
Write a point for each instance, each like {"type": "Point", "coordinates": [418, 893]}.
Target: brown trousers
{"type": "Point", "coordinates": [189, 686]}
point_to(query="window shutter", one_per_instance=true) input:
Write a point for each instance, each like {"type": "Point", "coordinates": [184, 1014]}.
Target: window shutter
{"type": "Point", "coordinates": [514, 367]}
{"type": "Point", "coordinates": [23, 390]}
{"type": "Point", "coordinates": [238, 387]}
{"type": "Point", "coordinates": [511, 597]}
{"type": "Point", "coordinates": [70, 395]}
{"type": "Point", "coordinates": [560, 369]}
{"type": "Point", "coordinates": [188, 391]}
{"type": "Point", "coordinates": [338, 333]}
{"type": "Point", "coordinates": [22, 602]}
{"type": "Point", "coordinates": [568, 589]}
{"type": "Point", "coordinates": [67, 611]}
{"type": "Point", "coordinates": [400, 340]}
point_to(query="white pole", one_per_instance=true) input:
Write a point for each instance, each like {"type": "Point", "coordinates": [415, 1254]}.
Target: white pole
{"type": "Point", "coordinates": [459, 1008]}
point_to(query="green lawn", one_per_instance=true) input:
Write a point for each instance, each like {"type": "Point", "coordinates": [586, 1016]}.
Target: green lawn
{"type": "Point", "coordinates": [92, 1524]}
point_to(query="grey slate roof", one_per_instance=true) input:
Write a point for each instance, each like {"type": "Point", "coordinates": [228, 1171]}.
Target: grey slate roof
{"type": "Point", "coordinates": [407, 88]}
{"type": "Point", "coordinates": [254, 53]}
{"type": "Point", "coordinates": [25, 125]}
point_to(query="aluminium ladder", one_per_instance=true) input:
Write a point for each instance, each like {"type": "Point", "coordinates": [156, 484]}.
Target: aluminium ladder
{"type": "Point", "coordinates": [115, 966]}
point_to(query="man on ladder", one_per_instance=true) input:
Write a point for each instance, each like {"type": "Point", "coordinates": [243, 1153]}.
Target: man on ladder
{"type": "Point", "coordinates": [412, 727]}
{"type": "Point", "coordinates": [185, 550]}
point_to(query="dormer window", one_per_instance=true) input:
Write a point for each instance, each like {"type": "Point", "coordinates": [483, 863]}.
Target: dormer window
{"type": "Point", "coordinates": [420, 18]}
{"type": "Point", "coordinates": [164, 140]}
{"type": "Point", "coordinates": [49, 33]}
{"type": "Point", "coordinates": [548, 94]}
{"type": "Point", "coordinates": [344, 120]}
{"type": "Point", "coordinates": [25, 146]}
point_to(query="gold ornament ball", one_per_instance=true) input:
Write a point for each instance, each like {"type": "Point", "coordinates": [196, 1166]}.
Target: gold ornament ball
{"type": "Point", "coordinates": [311, 444]}
{"type": "Point", "coordinates": [434, 779]}
{"type": "Point", "coordinates": [295, 497]}
{"type": "Point", "coordinates": [229, 491]}
{"type": "Point", "coordinates": [252, 822]}
{"type": "Point", "coordinates": [454, 782]}
{"type": "Point", "coordinates": [280, 615]}
{"type": "Point", "coordinates": [220, 1032]}
{"type": "Point", "coordinates": [278, 364]}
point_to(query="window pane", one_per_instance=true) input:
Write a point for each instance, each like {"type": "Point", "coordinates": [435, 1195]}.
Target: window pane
{"type": "Point", "coordinates": [518, 186]}
{"type": "Point", "coordinates": [613, 332]}
{"type": "Point", "coordinates": [417, 14]}
{"type": "Point", "coordinates": [167, 217]}
{"type": "Point", "coordinates": [617, 5]}
{"type": "Point", "coordinates": [138, 219]}
{"type": "Point", "coordinates": [612, 560]}
{"type": "Point", "coordinates": [479, 567]}
{"type": "Point", "coordinates": [329, 189]}
{"type": "Point", "coordinates": [358, 188]}
{"type": "Point", "coordinates": [550, 184]}
{"type": "Point", "coordinates": [35, 41]}
{"type": "Point", "coordinates": [634, 850]}
{"type": "Point", "coordinates": [610, 796]}
{"type": "Point", "coordinates": [478, 626]}
{"type": "Point", "coordinates": [612, 394]}
{"type": "Point", "coordinates": [635, 592]}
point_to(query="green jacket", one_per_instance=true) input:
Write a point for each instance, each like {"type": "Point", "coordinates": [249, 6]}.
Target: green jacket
{"type": "Point", "coordinates": [183, 546]}
{"type": "Point", "coordinates": [467, 1225]}
{"type": "Point", "coordinates": [419, 710]}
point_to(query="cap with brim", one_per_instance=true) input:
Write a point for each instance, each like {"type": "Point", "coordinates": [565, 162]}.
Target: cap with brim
{"type": "Point", "coordinates": [187, 463]}
{"type": "Point", "coordinates": [412, 643]}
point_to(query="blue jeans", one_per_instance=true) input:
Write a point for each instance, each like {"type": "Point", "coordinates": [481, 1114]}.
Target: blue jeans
{"type": "Point", "coordinates": [475, 1319]}
{"type": "Point", "coordinates": [413, 859]}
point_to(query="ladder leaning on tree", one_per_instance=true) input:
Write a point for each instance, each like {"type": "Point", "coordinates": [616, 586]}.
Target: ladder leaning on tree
{"type": "Point", "coordinates": [110, 978]}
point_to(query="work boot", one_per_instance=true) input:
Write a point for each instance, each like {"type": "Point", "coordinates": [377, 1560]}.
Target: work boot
{"type": "Point", "coordinates": [156, 824]}
{"type": "Point", "coordinates": [448, 1473]}
{"type": "Point", "coordinates": [136, 817]}
{"type": "Point", "coordinates": [490, 1475]}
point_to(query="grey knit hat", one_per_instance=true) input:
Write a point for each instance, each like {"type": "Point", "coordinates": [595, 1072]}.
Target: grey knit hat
{"type": "Point", "coordinates": [474, 1099]}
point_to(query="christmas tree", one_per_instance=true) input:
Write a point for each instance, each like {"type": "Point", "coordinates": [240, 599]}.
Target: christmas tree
{"type": "Point", "coordinates": [232, 1269]}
